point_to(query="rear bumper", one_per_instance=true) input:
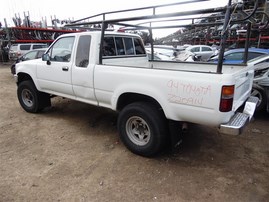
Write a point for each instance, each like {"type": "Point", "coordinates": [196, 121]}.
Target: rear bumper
{"type": "Point", "coordinates": [240, 119]}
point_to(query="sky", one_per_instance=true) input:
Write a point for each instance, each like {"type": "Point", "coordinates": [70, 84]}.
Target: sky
{"type": "Point", "coordinates": [64, 9]}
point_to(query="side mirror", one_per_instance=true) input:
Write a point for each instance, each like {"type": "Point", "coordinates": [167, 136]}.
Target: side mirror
{"type": "Point", "coordinates": [46, 57]}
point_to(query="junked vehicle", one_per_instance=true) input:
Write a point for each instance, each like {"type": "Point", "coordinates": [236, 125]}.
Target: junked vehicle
{"type": "Point", "coordinates": [260, 86]}
{"type": "Point", "coordinates": [157, 55]}
{"type": "Point", "coordinates": [17, 50]}
{"type": "Point", "coordinates": [204, 51]}
{"type": "Point", "coordinates": [187, 56]}
{"type": "Point", "coordinates": [31, 55]}
{"type": "Point", "coordinates": [236, 56]}
{"type": "Point", "coordinates": [153, 97]}
{"type": "Point", "coordinates": [167, 51]}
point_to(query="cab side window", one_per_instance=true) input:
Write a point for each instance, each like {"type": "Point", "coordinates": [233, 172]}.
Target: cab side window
{"type": "Point", "coordinates": [61, 51]}
{"type": "Point", "coordinates": [83, 51]}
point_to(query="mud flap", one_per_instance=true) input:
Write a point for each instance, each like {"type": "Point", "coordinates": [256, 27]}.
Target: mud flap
{"type": "Point", "coordinates": [175, 130]}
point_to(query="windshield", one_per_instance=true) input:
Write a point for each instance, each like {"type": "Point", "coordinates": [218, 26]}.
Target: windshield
{"type": "Point", "coordinates": [258, 58]}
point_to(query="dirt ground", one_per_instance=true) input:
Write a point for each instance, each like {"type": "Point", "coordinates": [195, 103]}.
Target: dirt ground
{"type": "Point", "coordinates": [71, 152]}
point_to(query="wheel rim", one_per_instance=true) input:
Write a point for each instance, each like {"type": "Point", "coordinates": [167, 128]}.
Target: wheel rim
{"type": "Point", "coordinates": [138, 130]}
{"type": "Point", "coordinates": [27, 97]}
{"type": "Point", "coordinates": [257, 94]}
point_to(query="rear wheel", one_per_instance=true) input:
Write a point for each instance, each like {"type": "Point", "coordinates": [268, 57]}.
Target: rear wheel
{"type": "Point", "coordinates": [142, 128]}
{"type": "Point", "coordinates": [259, 92]}
{"type": "Point", "coordinates": [30, 98]}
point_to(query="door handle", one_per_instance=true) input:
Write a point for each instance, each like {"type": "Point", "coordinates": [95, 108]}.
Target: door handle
{"type": "Point", "coordinates": [65, 68]}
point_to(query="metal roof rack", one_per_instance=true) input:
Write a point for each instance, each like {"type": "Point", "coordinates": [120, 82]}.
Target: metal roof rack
{"type": "Point", "coordinates": [147, 21]}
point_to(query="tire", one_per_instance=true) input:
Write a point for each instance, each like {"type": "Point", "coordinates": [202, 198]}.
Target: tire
{"type": "Point", "coordinates": [30, 98]}
{"type": "Point", "coordinates": [12, 69]}
{"type": "Point", "coordinates": [259, 92]}
{"type": "Point", "coordinates": [142, 128]}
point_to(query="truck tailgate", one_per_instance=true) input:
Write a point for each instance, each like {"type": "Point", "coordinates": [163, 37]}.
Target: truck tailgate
{"type": "Point", "coordinates": [243, 85]}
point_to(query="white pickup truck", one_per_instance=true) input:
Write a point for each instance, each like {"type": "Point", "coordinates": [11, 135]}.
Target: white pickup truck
{"type": "Point", "coordinates": [111, 69]}
{"type": "Point", "coordinates": [146, 93]}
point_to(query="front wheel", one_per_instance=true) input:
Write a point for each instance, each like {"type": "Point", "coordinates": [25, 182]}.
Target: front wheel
{"type": "Point", "coordinates": [30, 98]}
{"type": "Point", "coordinates": [142, 128]}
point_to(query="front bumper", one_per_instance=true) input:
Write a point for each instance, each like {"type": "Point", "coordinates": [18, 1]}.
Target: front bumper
{"type": "Point", "coordinates": [15, 78]}
{"type": "Point", "coordinates": [240, 119]}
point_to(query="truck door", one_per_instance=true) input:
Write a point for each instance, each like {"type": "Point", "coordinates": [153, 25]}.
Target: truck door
{"type": "Point", "coordinates": [83, 69]}
{"type": "Point", "coordinates": [55, 75]}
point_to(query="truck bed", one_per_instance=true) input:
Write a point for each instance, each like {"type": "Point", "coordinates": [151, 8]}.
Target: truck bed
{"type": "Point", "coordinates": [187, 86]}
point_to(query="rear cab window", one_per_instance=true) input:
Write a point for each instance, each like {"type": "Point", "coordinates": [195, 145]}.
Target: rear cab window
{"type": "Point", "coordinates": [129, 46]}
{"type": "Point", "coordinates": [139, 47]}
{"type": "Point", "coordinates": [121, 46]}
{"type": "Point", "coordinates": [109, 48]}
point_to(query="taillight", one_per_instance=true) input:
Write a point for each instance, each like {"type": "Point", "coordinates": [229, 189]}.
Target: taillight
{"type": "Point", "coordinates": [227, 96]}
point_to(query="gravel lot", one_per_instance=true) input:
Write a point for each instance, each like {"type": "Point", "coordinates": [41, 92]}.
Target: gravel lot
{"type": "Point", "coordinates": [71, 152]}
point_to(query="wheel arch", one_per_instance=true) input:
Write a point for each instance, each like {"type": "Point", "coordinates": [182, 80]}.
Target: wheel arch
{"type": "Point", "coordinates": [26, 77]}
{"type": "Point", "coordinates": [23, 77]}
{"type": "Point", "coordinates": [129, 97]}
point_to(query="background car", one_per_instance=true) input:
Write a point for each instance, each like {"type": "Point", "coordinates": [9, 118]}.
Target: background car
{"type": "Point", "coordinates": [204, 51]}
{"type": "Point", "coordinates": [17, 50]}
{"type": "Point", "coordinates": [260, 86]}
{"type": "Point", "coordinates": [163, 52]}
{"type": "Point", "coordinates": [236, 56]}
{"type": "Point", "coordinates": [187, 56]}
{"type": "Point", "coordinates": [34, 54]}
{"type": "Point", "coordinates": [158, 56]}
